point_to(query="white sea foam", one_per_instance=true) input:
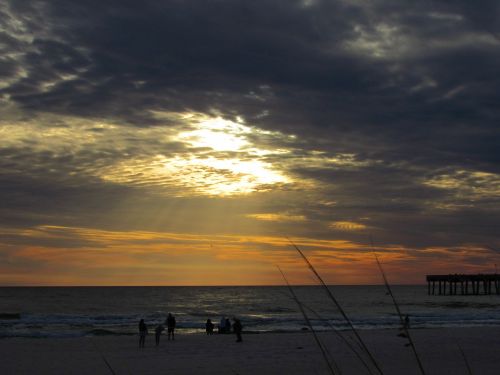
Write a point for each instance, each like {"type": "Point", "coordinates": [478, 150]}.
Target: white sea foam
{"type": "Point", "coordinates": [68, 312]}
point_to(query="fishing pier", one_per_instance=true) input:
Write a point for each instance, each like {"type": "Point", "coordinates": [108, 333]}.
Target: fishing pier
{"type": "Point", "coordinates": [454, 284]}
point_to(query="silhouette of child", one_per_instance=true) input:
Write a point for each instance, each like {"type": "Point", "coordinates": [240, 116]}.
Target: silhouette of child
{"type": "Point", "coordinates": [158, 330]}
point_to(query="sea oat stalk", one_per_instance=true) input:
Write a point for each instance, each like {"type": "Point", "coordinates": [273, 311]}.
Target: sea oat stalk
{"type": "Point", "coordinates": [341, 310]}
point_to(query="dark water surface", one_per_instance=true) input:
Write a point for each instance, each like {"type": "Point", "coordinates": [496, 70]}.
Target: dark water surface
{"type": "Point", "coordinates": [80, 311]}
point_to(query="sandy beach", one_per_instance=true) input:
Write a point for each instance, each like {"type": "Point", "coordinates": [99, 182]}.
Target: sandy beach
{"type": "Point", "coordinates": [270, 353]}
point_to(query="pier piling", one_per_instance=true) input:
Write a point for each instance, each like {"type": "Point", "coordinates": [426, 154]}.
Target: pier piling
{"type": "Point", "coordinates": [487, 283]}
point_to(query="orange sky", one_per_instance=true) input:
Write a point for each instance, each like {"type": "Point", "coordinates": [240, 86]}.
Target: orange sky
{"type": "Point", "coordinates": [152, 258]}
{"type": "Point", "coordinates": [185, 150]}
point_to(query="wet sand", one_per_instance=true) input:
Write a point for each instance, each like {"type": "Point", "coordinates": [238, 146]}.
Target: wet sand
{"type": "Point", "coordinates": [261, 354]}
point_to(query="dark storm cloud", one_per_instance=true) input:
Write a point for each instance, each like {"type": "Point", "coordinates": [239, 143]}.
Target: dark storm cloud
{"type": "Point", "coordinates": [410, 89]}
{"type": "Point", "coordinates": [174, 54]}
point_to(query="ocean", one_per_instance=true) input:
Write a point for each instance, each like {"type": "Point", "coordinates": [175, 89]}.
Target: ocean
{"type": "Point", "coordinates": [83, 311]}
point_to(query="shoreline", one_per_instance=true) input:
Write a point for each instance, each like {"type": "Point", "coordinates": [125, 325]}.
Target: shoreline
{"type": "Point", "coordinates": [98, 332]}
{"type": "Point", "coordinates": [263, 354]}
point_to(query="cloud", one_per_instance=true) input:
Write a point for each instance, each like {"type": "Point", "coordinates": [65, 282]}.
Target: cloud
{"type": "Point", "coordinates": [277, 217]}
{"type": "Point", "coordinates": [347, 225]}
{"type": "Point", "coordinates": [100, 257]}
{"type": "Point", "coordinates": [472, 184]}
{"type": "Point", "coordinates": [189, 117]}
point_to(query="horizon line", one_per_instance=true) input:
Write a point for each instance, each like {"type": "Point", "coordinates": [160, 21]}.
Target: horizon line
{"type": "Point", "coordinates": [190, 286]}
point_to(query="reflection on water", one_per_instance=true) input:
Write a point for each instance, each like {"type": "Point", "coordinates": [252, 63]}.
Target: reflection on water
{"type": "Point", "coordinates": [76, 311]}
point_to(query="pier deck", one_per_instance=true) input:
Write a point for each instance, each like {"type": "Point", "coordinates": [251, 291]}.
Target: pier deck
{"type": "Point", "coordinates": [459, 283]}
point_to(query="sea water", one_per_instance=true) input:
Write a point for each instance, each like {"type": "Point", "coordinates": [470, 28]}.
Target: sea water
{"type": "Point", "coordinates": [81, 311]}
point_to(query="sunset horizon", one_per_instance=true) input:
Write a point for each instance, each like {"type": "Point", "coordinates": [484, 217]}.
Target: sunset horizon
{"type": "Point", "coordinates": [249, 187]}
{"type": "Point", "coordinates": [174, 143]}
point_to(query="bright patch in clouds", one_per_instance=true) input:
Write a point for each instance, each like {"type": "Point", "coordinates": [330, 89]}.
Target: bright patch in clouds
{"type": "Point", "coordinates": [206, 176]}
{"type": "Point", "coordinates": [206, 169]}
{"type": "Point", "coordinates": [217, 134]}
{"type": "Point", "coordinates": [347, 225]}
{"type": "Point", "coordinates": [277, 217]}
{"type": "Point", "coordinates": [468, 184]}
{"type": "Point", "coordinates": [214, 156]}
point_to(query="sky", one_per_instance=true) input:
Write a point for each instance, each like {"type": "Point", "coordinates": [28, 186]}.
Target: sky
{"type": "Point", "coordinates": [189, 142]}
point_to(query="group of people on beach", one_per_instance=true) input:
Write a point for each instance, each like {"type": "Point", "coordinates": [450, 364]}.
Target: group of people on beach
{"type": "Point", "coordinates": [143, 330]}
{"type": "Point", "coordinates": [224, 327]}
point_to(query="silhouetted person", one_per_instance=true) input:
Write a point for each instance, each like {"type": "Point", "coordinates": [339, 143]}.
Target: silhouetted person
{"type": "Point", "coordinates": [237, 328]}
{"type": "Point", "coordinates": [407, 322]}
{"type": "Point", "coordinates": [222, 325]}
{"type": "Point", "coordinates": [228, 326]}
{"type": "Point", "coordinates": [171, 326]}
{"type": "Point", "coordinates": [143, 331]}
{"type": "Point", "coordinates": [158, 330]}
{"type": "Point", "coordinates": [405, 327]}
{"type": "Point", "coordinates": [209, 327]}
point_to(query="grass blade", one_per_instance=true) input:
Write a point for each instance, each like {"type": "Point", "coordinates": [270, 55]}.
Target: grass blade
{"type": "Point", "coordinates": [103, 358]}
{"type": "Point", "coordinates": [340, 336]}
{"type": "Point", "coordinates": [469, 370]}
{"type": "Point", "coordinates": [331, 365]}
{"type": "Point", "coordinates": [339, 307]}
{"type": "Point", "coordinates": [396, 305]}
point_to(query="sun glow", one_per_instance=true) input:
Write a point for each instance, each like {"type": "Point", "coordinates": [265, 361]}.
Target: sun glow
{"type": "Point", "coordinates": [213, 176]}
{"type": "Point", "coordinates": [220, 159]}
{"type": "Point", "coordinates": [217, 134]}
